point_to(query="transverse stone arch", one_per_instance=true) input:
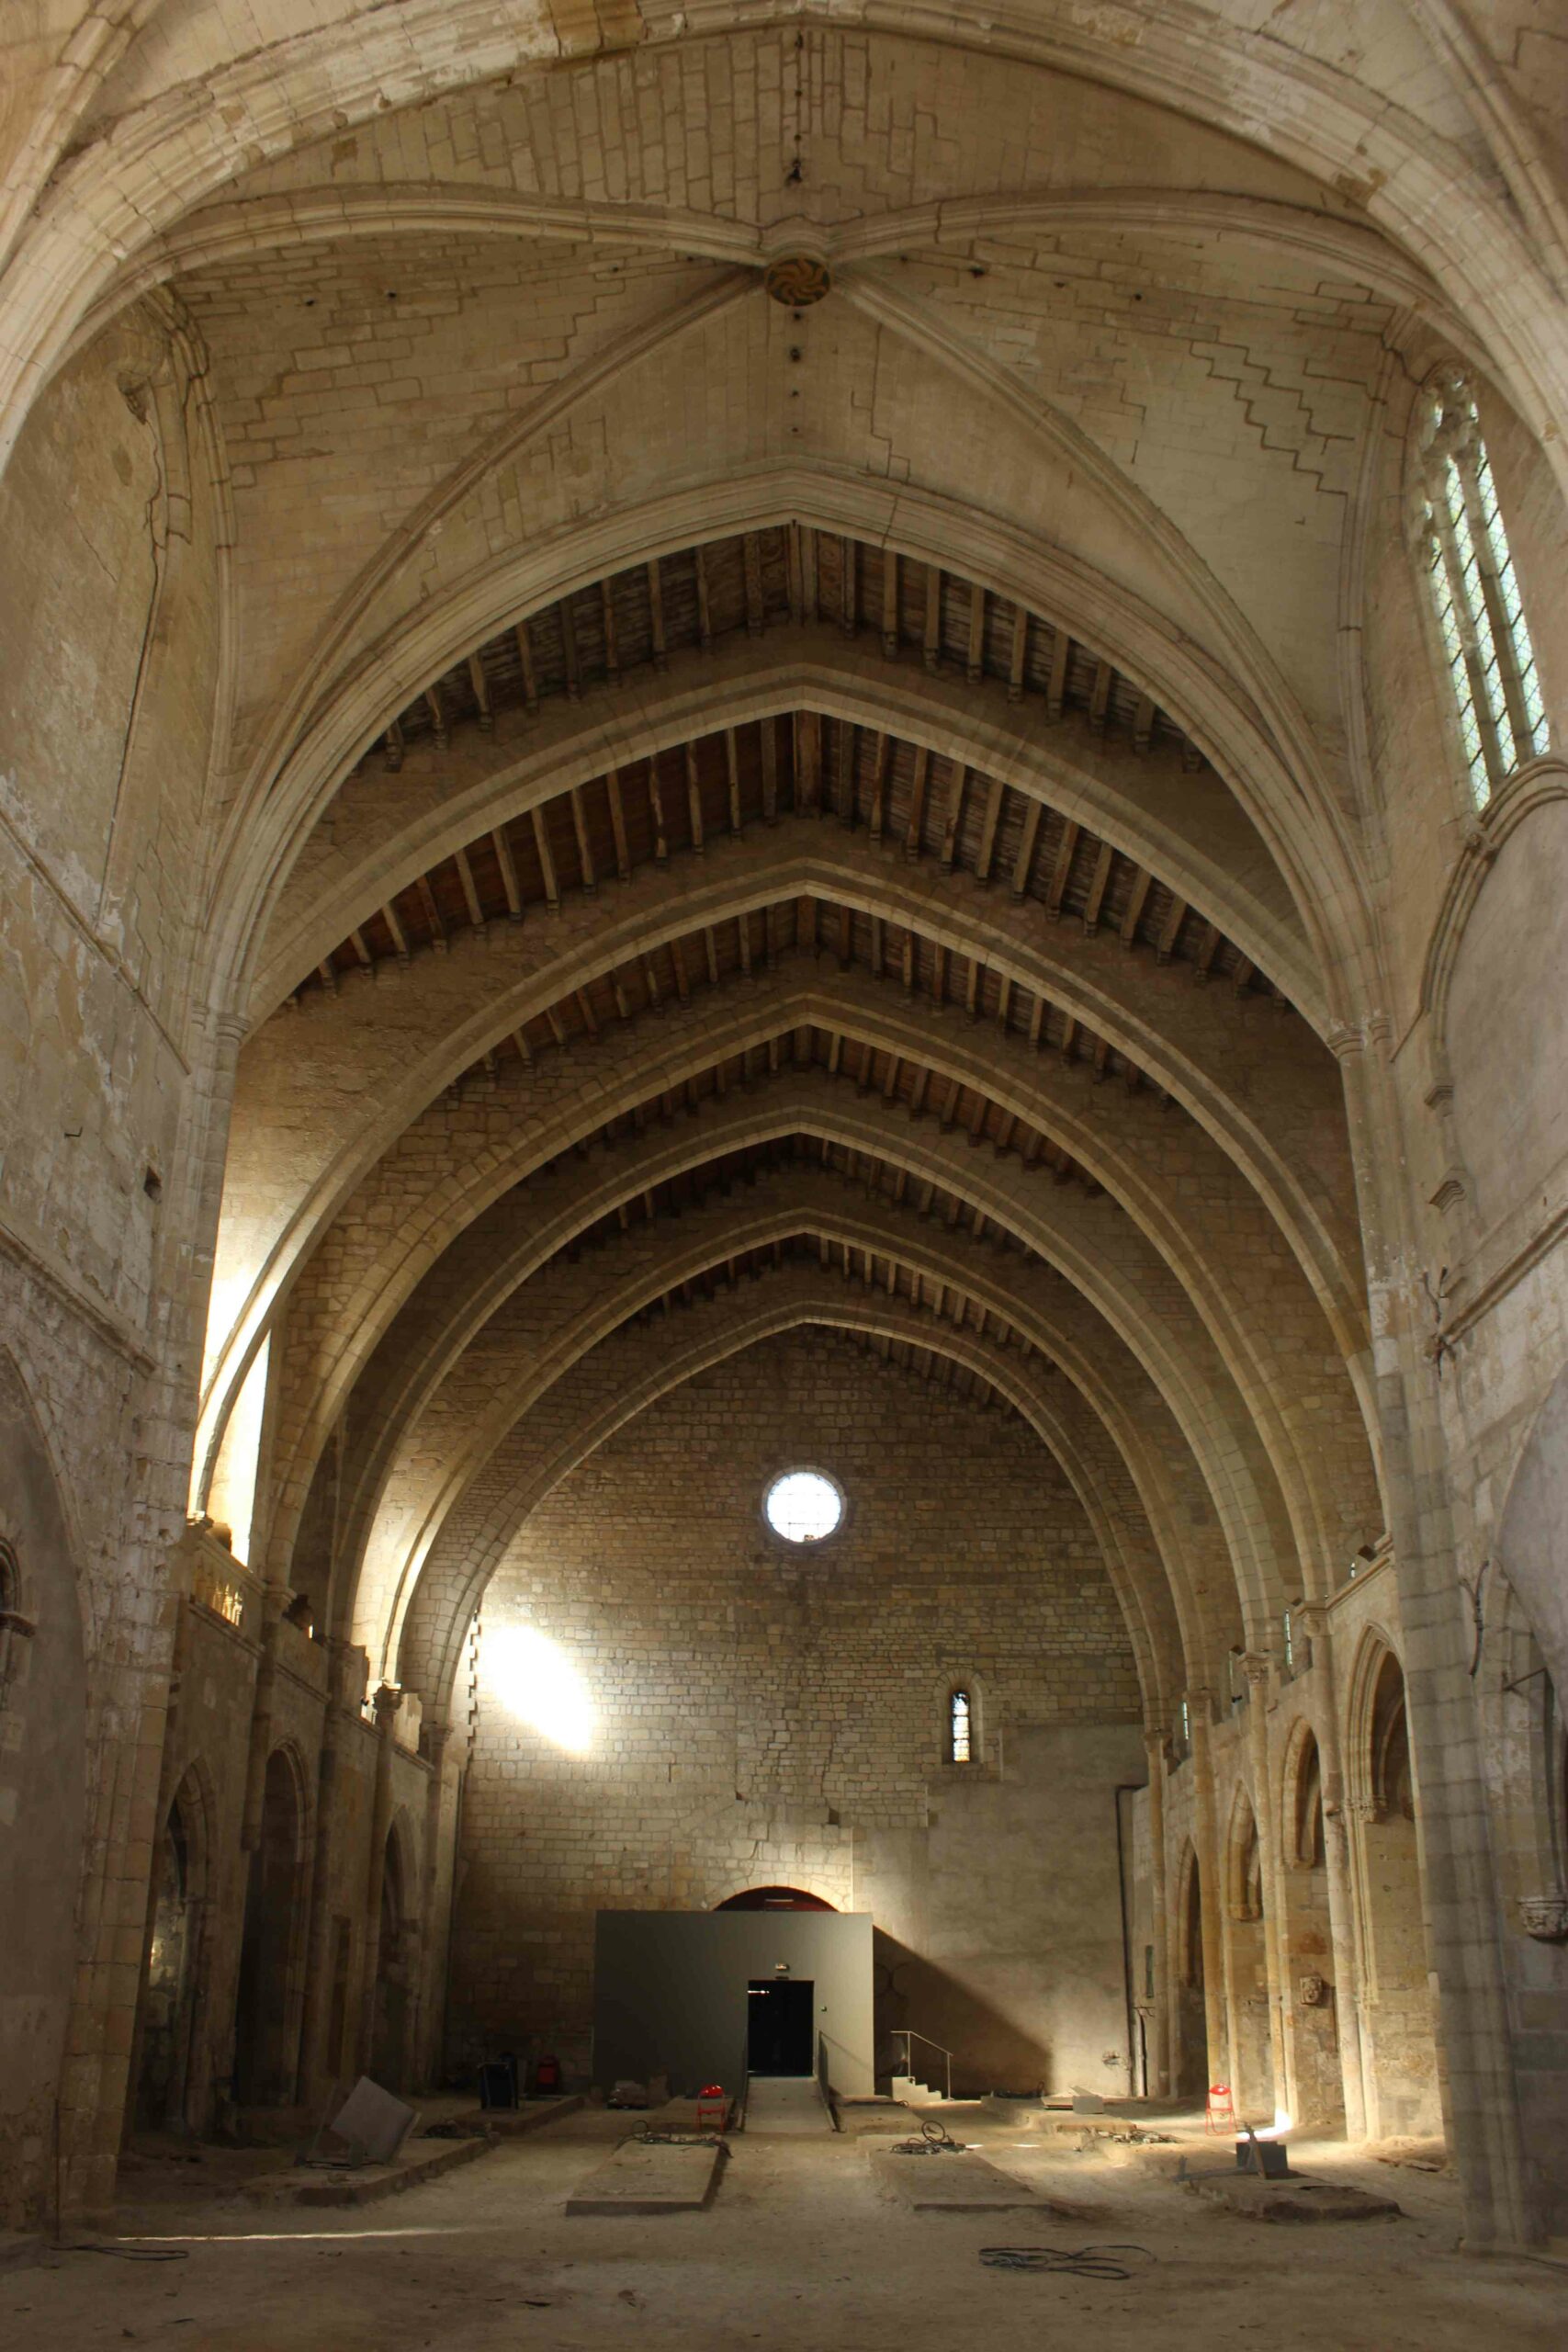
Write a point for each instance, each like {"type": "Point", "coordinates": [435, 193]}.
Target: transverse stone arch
{"type": "Point", "coordinates": [873, 886]}
{"type": "Point", "coordinates": [430, 1640]}
{"type": "Point", "coordinates": [698, 1241]}
{"type": "Point", "coordinates": [775, 1107]}
{"type": "Point", "coordinates": [924, 524]}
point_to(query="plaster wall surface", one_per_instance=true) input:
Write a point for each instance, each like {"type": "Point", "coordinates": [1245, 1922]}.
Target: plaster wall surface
{"type": "Point", "coordinates": [670, 1993]}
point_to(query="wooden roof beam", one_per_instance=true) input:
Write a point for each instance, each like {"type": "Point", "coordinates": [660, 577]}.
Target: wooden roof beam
{"type": "Point", "coordinates": [618, 825]}
{"type": "Point", "coordinates": [470, 888]}
{"type": "Point", "coordinates": [508, 864]}
{"type": "Point", "coordinates": [525, 655]}
{"type": "Point", "coordinates": [656, 612]}
{"type": "Point", "coordinates": [1170, 930]}
{"type": "Point", "coordinates": [1096, 899]}
{"type": "Point", "coordinates": [1056, 687]}
{"type": "Point", "coordinates": [1069, 843]}
{"type": "Point", "coordinates": [995, 801]}
{"type": "Point", "coordinates": [480, 684]}
{"type": "Point", "coordinates": [974, 652]}
{"type": "Point", "coordinates": [931, 635]}
{"type": "Point", "coordinates": [584, 841]}
{"type": "Point", "coordinates": [1137, 898]}
{"type": "Point", "coordinates": [427, 899]}
{"type": "Point", "coordinates": [546, 860]}
{"type": "Point", "coordinates": [916, 802]}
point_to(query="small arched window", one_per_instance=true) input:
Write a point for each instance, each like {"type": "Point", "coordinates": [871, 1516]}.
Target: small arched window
{"type": "Point", "coordinates": [960, 1729]}
{"type": "Point", "coordinates": [1475, 595]}
{"type": "Point", "coordinates": [14, 1629]}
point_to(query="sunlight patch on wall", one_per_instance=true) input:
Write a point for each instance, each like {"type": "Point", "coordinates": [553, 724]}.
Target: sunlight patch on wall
{"type": "Point", "coordinates": [538, 1684]}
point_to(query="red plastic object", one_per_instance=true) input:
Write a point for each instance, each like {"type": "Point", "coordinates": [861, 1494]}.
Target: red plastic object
{"type": "Point", "coordinates": [713, 2108]}
{"type": "Point", "coordinates": [1220, 2115]}
{"type": "Point", "coordinates": [547, 2077]}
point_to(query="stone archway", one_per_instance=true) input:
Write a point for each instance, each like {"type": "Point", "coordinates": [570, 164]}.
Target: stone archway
{"type": "Point", "coordinates": [1191, 2013]}
{"type": "Point", "coordinates": [1398, 2026]}
{"type": "Point", "coordinates": [173, 1973]}
{"type": "Point", "coordinates": [1315, 2091]}
{"type": "Point", "coordinates": [266, 2016]}
{"type": "Point", "coordinates": [394, 1930]}
{"type": "Point", "coordinates": [1247, 1976]}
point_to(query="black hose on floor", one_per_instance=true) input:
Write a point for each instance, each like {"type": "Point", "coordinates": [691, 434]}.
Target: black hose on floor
{"type": "Point", "coordinates": [1067, 2262]}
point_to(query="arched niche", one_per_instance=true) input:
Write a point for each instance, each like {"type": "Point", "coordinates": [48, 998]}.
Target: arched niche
{"type": "Point", "coordinates": [395, 1930]}
{"type": "Point", "coordinates": [1316, 2091]}
{"type": "Point", "coordinates": [1504, 1005]}
{"type": "Point", "coordinates": [271, 1987]}
{"type": "Point", "coordinates": [1398, 2027]}
{"type": "Point", "coordinates": [174, 1968]}
{"type": "Point", "coordinates": [1246, 1973]}
{"type": "Point", "coordinates": [1191, 2014]}
{"type": "Point", "coordinates": [1532, 1537]}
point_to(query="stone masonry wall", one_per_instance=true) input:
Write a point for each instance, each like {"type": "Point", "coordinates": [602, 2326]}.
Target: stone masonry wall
{"type": "Point", "coordinates": [758, 1713]}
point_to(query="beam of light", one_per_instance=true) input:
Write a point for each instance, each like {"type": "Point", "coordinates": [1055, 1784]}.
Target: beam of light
{"type": "Point", "coordinates": [284, 2237]}
{"type": "Point", "coordinates": [538, 1684]}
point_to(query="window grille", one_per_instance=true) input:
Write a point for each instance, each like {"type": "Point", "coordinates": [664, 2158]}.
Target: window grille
{"type": "Point", "coordinates": [1475, 595]}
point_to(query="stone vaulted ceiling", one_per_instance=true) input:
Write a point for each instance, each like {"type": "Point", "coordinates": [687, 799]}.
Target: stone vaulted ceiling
{"type": "Point", "coordinates": [787, 769]}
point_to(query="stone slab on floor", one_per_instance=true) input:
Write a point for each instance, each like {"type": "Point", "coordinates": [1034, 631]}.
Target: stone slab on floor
{"type": "Point", "coordinates": [1298, 2198]}
{"type": "Point", "coordinates": [639, 2178]}
{"type": "Point", "coordinates": [962, 2184]}
{"type": "Point", "coordinates": [422, 2160]}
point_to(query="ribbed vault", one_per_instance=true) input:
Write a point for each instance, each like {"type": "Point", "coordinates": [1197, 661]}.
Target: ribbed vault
{"type": "Point", "coordinates": [756, 903]}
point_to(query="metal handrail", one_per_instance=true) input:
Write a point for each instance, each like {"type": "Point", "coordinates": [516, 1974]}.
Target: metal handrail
{"type": "Point", "coordinates": [905, 2034]}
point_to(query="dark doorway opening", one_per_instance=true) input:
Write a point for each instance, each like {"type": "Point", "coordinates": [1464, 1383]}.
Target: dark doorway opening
{"type": "Point", "coordinates": [267, 2022]}
{"type": "Point", "coordinates": [773, 1899]}
{"type": "Point", "coordinates": [779, 2010]}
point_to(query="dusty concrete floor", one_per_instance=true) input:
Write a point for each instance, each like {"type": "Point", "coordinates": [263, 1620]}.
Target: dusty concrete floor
{"type": "Point", "coordinates": [798, 2250]}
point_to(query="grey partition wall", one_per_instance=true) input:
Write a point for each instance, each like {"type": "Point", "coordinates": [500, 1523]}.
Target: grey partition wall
{"type": "Point", "coordinates": [670, 1991]}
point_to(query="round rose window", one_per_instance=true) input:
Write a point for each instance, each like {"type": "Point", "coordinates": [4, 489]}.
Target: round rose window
{"type": "Point", "coordinates": [803, 1505]}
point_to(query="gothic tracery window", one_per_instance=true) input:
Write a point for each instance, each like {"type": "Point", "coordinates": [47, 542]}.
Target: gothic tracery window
{"type": "Point", "coordinates": [1475, 595]}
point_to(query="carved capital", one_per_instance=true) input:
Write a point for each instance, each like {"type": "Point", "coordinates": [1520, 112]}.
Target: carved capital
{"type": "Point", "coordinates": [1454, 1187]}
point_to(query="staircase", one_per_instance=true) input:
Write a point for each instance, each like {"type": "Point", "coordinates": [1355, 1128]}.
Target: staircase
{"type": "Point", "coordinates": [906, 2087]}
{"type": "Point", "coordinates": [909, 2093]}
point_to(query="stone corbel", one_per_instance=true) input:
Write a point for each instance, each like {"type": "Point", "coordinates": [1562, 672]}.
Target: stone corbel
{"type": "Point", "coordinates": [1256, 1665]}
{"type": "Point", "coordinates": [1545, 1917]}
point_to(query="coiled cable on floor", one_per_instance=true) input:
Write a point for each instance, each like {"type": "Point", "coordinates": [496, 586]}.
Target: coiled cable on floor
{"type": "Point", "coordinates": [935, 2140]}
{"type": "Point", "coordinates": [1067, 2262]}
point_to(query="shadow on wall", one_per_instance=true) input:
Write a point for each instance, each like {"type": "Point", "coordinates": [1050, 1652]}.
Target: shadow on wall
{"type": "Point", "coordinates": [43, 1753]}
{"type": "Point", "coordinates": [989, 2052]}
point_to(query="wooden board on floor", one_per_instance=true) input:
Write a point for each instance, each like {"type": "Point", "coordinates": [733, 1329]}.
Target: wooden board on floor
{"type": "Point", "coordinates": [962, 2184]}
{"type": "Point", "coordinates": [658, 2179]}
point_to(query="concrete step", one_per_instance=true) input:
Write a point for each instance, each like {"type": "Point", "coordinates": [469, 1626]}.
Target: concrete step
{"type": "Point", "coordinates": [910, 2092]}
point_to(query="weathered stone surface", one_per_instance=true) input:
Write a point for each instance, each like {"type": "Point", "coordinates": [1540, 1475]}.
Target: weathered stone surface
{"type": "Point", "coordinates": [564, 822]}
